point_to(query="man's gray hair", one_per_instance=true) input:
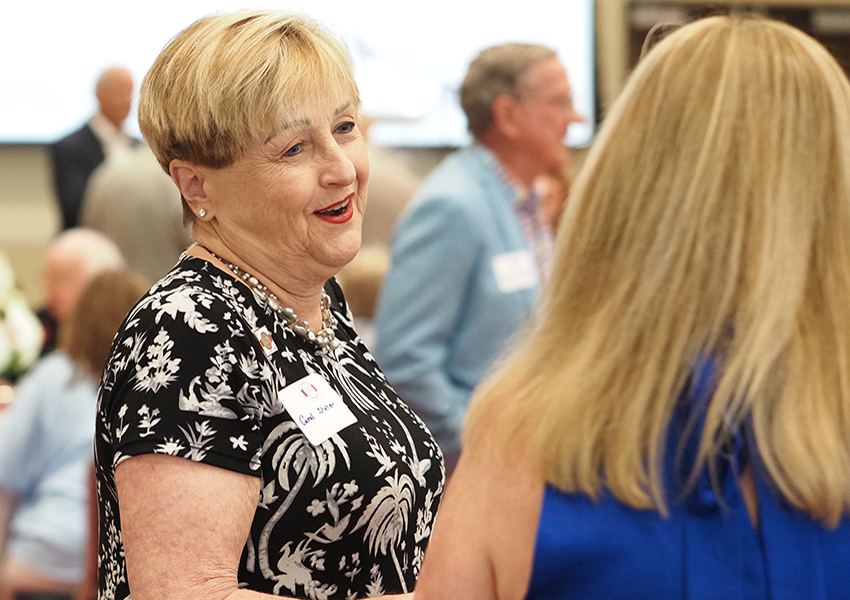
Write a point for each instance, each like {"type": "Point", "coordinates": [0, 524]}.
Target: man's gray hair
{"type": "Point", "coordinates": [496, 71]}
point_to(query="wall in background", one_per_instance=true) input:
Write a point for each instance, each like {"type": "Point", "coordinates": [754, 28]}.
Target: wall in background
{"type": "Point", "coordinates": [28, 217]}
{"type": "Point", "coordinates": [622, 24]}
{"type": "Point", "coordinates": [28, 214]}
{"type": "Point", "coordinates": [408, 63]}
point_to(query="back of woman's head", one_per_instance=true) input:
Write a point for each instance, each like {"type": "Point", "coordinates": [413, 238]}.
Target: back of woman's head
{"type": "Point", "coordinates": [712, 216]}
{"type": "Point", "coordinates": [97, 315]}
{"type": "Point", "coordinates": [724, 163]}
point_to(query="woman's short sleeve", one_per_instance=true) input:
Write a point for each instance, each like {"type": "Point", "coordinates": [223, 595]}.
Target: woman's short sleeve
{"type": "Point", "coordinates": [185, 378]}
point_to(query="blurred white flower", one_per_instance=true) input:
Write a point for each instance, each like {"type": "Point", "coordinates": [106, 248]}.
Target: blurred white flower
{"type": "Point", "coordinates": [21, 334]}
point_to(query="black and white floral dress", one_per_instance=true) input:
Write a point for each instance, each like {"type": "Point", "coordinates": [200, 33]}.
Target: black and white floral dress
{"type": "Point", "coordinates": [188, 376]}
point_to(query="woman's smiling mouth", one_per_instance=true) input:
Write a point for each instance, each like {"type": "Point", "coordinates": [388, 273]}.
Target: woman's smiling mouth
{"type": "Point", "coordinates": [339, 212]}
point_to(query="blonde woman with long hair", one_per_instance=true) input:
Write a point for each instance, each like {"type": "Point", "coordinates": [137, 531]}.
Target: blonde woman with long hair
{"type": "Point", "coordinates": [676, 423]}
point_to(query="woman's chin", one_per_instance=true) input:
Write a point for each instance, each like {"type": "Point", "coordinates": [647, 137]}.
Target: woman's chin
{"type": "Point", "coordinates": [344, 251]}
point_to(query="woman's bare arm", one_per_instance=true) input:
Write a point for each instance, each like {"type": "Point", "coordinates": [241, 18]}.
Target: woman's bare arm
{"type": "Point", "coordinates": [184, 526]}
{"type": "Point", "coordinates": [483, 542]}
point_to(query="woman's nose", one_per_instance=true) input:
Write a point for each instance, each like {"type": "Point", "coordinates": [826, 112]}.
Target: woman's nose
{"type": "Point", "coordinates": [337, 167]}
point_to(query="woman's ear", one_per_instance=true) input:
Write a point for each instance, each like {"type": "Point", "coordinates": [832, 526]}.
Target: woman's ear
{"type": "Point", "coordinates": [190, 179]}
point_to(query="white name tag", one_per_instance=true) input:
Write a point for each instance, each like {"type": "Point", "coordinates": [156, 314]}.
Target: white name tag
{"type": "Point", "coordinates": [515, 271]}
{"type": "Point", "coordinates": [316, 408]}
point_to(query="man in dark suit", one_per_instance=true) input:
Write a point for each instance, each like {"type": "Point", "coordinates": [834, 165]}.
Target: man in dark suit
{"type": "Point", "coordinates": [78, 154]}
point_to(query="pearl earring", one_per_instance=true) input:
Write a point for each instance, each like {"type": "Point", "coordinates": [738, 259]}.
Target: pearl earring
{"type": "Point", "coordinates": [202, 213]}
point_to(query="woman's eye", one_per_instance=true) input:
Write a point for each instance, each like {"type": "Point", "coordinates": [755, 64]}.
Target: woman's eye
{"type": "Point", "coordinates": [346, 127]}
{"type": "Point", "coordinates": [294, 150]}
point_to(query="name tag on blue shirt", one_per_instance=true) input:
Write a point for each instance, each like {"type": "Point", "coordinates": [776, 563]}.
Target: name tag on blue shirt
{"type": "Point", "coordinates": [515, 271]}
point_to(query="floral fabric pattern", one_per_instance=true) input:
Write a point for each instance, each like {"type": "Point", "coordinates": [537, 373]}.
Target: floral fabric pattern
{"type": "Point", "coordinates": [188, 376]}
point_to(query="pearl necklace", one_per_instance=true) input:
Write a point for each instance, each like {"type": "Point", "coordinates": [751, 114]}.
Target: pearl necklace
{"type": "Point", "coordinates": [325, 339]}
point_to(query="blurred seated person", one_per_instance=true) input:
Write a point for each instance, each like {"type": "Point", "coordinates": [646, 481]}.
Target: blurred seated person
{"type": "Point", "coordinates": [676, 423]}
{"type": "Point", "coordinates": [46, 439]}
{"type": "Point", "coordinates": [72, 259]}
{"type": "Point", "coordinates": [78, 154]}
{"type": "Point", "coordinates": [133, 202]}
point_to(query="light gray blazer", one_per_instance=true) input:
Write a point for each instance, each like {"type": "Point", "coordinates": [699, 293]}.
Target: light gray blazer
{"type": "Point", "coordinates": [441, 319]}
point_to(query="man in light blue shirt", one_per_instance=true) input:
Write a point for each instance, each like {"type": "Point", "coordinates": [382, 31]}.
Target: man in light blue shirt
{"type": "Point", "coordinates": [472, 249]}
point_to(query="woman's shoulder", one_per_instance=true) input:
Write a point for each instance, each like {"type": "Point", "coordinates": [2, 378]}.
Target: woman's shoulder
{"type": "Point", "coordinates": [192, 315]}
{"type": "Point", "coordinates": [193, 296]}
{"type": "Point", "coordinates": [485, 533]}
{"type": "Point", "coordinates": [192, 273]}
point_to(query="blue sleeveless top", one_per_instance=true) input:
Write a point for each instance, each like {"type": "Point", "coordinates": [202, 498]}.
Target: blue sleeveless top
{"type": "Point", "coordinates": [706, 550]}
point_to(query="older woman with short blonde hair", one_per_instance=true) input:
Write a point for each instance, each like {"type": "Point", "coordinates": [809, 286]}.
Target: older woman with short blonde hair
{"type": "Point", "coordinates": [676, 423]}
{"type": "Point", "coordinates": [248, 444]}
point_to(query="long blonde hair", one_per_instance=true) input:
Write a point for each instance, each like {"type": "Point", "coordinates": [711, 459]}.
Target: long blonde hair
{"type": "Point", "coordinates": [712, 217]}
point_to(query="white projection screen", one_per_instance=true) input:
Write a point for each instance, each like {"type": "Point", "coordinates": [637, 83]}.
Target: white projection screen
{"type": "Point", "coordinates": [409, 57]}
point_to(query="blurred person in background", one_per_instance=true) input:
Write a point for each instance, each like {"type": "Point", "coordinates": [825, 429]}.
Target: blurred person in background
{"type": "Point", "coordinates": [130, 200]}
{"type": "Point", "coordinates": [553, 188]}
{"type": "Point", "coordinates": [391, 185]}
{"type": "Point", "coordinates": [473, 247]}
{"type": "Point", "coordinates": [77, 155]}
{"type": "Point", "coordinates": [72, 259]}
{"type": "Point", "coordinates": [46, 438]}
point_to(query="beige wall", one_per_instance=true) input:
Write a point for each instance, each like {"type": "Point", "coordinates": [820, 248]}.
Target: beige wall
{"type": "Point", "coordinates": [28, 214]}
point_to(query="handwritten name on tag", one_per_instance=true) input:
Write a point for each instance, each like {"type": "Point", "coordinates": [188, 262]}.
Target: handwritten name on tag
{"type": "Point", "coordinates": [515, 271]}
{"type": "Point", "coordinates": [316, 408]}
